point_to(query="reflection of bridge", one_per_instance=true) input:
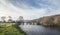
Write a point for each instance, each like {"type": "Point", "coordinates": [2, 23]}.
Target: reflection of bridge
{"type": "Point", "coordinates": [21, 21]}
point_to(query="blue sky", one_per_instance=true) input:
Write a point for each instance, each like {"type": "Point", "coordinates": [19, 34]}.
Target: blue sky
{"type": "Point", "coordinates": [29, 9]}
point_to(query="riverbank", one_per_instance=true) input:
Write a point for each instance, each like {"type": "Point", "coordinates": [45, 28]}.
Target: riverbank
{"type": "Point", "coordinates": [10, 29]}
{"type": "Point", "coordinates": [51, 21]}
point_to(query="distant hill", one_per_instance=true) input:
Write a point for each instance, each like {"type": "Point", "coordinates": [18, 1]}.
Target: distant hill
{"type": "Point", "coordinates": [53, 20]}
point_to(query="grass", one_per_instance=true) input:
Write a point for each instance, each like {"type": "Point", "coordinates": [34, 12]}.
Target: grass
{"type": "Point", "coordinates": [10, 29]}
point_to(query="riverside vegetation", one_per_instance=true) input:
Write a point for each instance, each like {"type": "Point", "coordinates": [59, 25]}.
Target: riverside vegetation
{"type": "Point", "coordinates": [49, 21]}
{"type": "Point", "coordinates": [10, 29]}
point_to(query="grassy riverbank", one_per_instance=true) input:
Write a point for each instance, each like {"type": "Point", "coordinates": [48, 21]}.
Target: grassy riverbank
{"type": "Point", "coordinates": [50, 21]}
{"type": "Point", "coordinates": [10, 29]}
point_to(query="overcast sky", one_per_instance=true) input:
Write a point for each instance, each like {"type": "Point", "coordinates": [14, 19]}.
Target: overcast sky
{"type": "Point", "coordinates": [29, 9]}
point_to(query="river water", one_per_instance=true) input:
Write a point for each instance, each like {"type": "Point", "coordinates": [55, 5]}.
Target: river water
{"type": "Point", "coordinates": [39, 30]}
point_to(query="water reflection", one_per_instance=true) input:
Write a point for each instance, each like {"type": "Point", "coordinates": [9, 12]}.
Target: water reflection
{"type": "Point", "coordinates": [39, 30]}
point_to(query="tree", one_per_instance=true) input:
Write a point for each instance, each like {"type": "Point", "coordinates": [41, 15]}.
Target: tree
{"type": "Point", "coordinates": [3, 18]}
{"type": "Point", "coordinates": [10, 19]}
{"type": "Point", "coordinates": [20, 20]}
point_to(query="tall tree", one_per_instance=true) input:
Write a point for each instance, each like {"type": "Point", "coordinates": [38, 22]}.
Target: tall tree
{"type": "Point", "coordinates": [10, 19]}
{"type": "Point", "coordinates": [20, 18]}
{"type": "Point", "coordinates": [3, 18]}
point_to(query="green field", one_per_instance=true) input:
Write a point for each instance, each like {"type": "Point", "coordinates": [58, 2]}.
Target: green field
{"type": "Point", "coordinates": [10, 29]}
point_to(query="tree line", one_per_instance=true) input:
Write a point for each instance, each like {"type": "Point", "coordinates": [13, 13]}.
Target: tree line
{"type": "Point", "coordinates": [3, 19]}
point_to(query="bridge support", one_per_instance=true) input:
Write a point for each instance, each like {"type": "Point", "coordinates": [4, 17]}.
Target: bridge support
{"type": "Point", "coordinates": [26, 23]}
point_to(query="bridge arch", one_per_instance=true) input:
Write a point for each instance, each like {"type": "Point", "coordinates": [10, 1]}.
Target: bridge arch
{"type": "Point", "coordinates": [21, 21]}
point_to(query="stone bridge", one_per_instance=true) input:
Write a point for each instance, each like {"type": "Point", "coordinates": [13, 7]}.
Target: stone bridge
{"type": "Point", "coordinates": [21, 21]}
{"type": "Point", "coordinates": [27, 23]}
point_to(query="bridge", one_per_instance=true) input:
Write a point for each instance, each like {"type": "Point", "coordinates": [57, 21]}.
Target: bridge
{"type": "Point", "coordinates": [21, 21]}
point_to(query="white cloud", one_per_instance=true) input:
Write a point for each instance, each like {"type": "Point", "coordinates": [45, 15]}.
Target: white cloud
{"type": "Point", "coordinates": [8, 9]}
{"type": "Point", "coordinates": [57, 3]}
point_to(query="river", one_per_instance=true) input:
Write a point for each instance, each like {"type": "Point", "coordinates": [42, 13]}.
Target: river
{"type": "Point", "coordinates": [39, 30]}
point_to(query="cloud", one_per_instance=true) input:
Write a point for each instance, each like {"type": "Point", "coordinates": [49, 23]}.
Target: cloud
{"type": "Point", "coordinates": [29, 9]}
{"type": "Point", "coordinates": [7, 9]}
{"type": "Point", "coordinates": [57, 11]}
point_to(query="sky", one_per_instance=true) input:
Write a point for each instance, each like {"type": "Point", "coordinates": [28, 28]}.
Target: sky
{"type": "Point", "coordinates": [29, 9]}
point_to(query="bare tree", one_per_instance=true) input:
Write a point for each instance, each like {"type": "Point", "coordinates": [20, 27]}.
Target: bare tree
{"type": "Point", "coordinates": [20, 18]}
{"type": "Point", "coordinates": [10, 19]}
{"type": "Point", "coordinates": [3, 18]}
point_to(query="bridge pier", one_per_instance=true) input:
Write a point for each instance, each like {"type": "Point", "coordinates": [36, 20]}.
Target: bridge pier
{"type": "Point", "coordinates": [21, 21]}
{"type": "Point", "coordinates": [26, 23]}
{"type": "Point", "coordinates": [29, 23]}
